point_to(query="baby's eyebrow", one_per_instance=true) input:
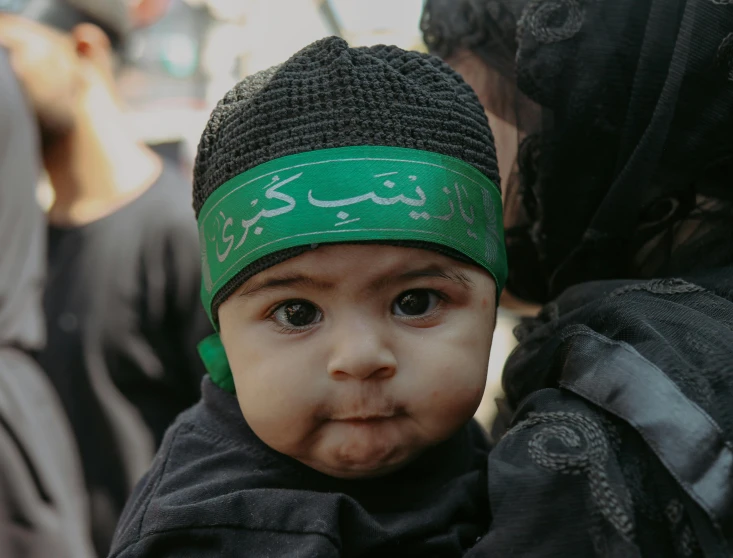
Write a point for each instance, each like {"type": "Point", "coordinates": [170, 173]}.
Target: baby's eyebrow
{"type": "Point", "coordinates": [455, 275]}
{"type": "Point", "coordinates": [280, 281]}
{"type": "Point", "coordinates": [258, 286]}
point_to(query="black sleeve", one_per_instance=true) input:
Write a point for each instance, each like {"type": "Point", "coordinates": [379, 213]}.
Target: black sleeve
{"type": "Point", "coordinates": [223, 541]}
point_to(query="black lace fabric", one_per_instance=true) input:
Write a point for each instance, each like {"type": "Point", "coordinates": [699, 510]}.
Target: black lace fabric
{"type": "Point", "coordinates": [623, 157]}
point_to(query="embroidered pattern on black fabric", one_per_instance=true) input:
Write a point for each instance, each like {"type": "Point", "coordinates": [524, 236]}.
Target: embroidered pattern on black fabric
{"type": "Point", "coordinates": [661, 286]}
{"type": "Point", "coordinates": [612, 434]}
{"type": "Point", "coordinates": [674, 512]}
{"type": "Point", "coordinates": [552, 21]}
{"type": "Point", "coordinates": [686, 542]}
{"type": "Point", "coordinates": [587, 453]}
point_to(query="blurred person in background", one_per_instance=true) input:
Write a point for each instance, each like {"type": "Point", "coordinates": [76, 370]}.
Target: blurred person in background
{"type": "Point", "coordinates": [613, 128]}
{"type": "Point", "coordinates": [43, 506]}
{"type": "Point", "coordinates": [122, 299]}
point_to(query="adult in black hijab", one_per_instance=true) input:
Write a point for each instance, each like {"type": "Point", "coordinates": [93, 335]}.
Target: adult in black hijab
{"type": "Point", "coordinates": [619, 209]}
{"type": "Point", "coordinates": [622, 111]}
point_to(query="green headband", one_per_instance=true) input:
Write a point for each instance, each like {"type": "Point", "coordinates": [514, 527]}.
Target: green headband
{"type": "Point", "coordinates": [346, 194]}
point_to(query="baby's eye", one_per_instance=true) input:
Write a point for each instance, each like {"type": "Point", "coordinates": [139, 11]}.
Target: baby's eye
{"type": "Point", "coordinates": [297, 314]}
{"type": "Point", "coordinates": [415, 303]}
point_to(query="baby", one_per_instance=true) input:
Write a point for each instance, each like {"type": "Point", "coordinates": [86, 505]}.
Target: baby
{"type": "Point", "coordinates": [352, 250]}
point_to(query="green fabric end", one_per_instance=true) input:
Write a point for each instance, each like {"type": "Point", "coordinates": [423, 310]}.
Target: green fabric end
{"type": "Point", "coordinates": [215, 359]}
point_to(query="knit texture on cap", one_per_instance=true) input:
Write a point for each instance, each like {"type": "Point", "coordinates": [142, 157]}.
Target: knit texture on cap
{"type": "Point", "coordinates": [329, 95]}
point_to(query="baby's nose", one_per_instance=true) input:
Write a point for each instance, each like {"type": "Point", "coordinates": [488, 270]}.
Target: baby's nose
{"type": "Point", "coordinates": [360, 351]}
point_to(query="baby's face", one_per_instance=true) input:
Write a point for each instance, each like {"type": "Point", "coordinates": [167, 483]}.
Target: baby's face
{"type": "Point", "coordinates": [353, 359]}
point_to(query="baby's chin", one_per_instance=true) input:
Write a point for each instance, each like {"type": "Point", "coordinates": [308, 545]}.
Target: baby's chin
{"type": "Point", "coordinates": [351, 450]}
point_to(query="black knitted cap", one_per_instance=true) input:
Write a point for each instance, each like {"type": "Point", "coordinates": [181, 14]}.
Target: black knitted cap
{"type": "Point", "coordinates": [329, 95]}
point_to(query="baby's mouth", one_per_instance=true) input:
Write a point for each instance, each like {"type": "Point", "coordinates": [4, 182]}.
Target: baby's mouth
{"type": "Point", "coordinates": [366, 417]}
{"type": "Point", "coordinates": [356, 413]}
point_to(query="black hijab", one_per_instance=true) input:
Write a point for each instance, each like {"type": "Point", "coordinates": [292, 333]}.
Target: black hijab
{"type": "Point", "coordinates": [624, 112]}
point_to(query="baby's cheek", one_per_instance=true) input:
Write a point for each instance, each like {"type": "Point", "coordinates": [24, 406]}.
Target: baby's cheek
{"type": "Point", "coordinates": [272, 409]}
{"type": "Point", "coordinates": [451, 399]}
{"type": "Point", "coordinates": [462, 393]}
{"type": "Point", "coordinates": [283, 427]}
